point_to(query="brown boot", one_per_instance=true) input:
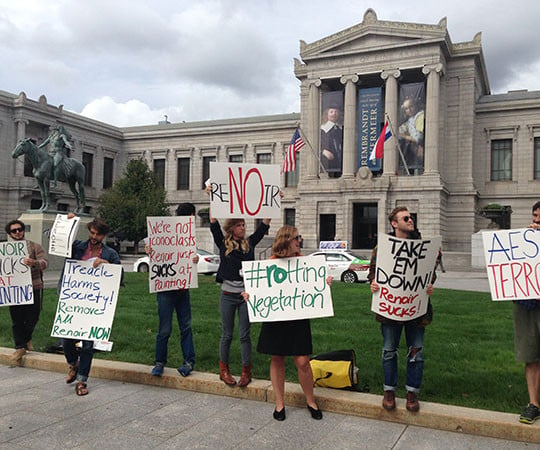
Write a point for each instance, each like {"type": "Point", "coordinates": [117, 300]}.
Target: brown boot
{"type": "Point", "coordinates": [29, 346]}
{"type": "Point", "coordinates": [245, 378]}
{"type": "Point", "coordinates": [412, 402]}
{"type": "Point", "coordinates": [17, 355]}
{"type": "Point", "coordinates": [225, 374]}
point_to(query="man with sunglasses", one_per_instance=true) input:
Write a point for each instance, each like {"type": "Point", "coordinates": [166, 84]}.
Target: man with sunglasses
{"type": "Point", "coordinates": [25, 317]}
{"type": "Point", "coordinates": [404, 228]}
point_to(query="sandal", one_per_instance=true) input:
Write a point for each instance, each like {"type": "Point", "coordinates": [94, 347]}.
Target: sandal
{"type": "Point", "coordinates": [81, 389]}
{"type": "Point", "coordinates": [72, 374]}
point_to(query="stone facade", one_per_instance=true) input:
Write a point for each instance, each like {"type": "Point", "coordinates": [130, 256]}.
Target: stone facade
{"type": "Point", "coordinates": [464, 125]}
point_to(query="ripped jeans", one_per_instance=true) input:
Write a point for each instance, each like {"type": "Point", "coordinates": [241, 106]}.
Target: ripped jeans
{"type": "Point", "coordinates": [415, 355]}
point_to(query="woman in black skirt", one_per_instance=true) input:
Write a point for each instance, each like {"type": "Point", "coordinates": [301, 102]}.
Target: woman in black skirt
{"type": "Point", "coordinates": [289, 338]}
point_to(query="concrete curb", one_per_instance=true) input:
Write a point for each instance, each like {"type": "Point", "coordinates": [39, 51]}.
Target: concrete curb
{"type": "Point", "coordinates": [432, 415]}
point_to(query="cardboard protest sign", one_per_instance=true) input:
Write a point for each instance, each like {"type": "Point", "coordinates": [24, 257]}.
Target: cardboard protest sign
{"type": "Point", "coordinates": [63, 233]}
{"type": "Point", "coordinates": [513, 263]}
{"type": "Point", "coordinates": [15, 276]}
{"type": "Point", "coordinates": [172, 248]}
{"type": "Point", "coordinates": [287, 289]}
{"type": "Point", "coordinates": [87, 301]}
{"type": "Point", "coordinates": [404, 271]}
{"type": "Point", "coordinates": [245, 190]}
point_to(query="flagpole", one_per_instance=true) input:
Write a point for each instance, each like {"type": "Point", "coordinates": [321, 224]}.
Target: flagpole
{"type": "Point", "coordinates": [396, 140]}
{"type": "Point", "coordinates": [315, 154]}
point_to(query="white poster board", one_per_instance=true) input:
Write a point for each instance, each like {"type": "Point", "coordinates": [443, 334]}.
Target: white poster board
{"type": "Point", "coordinates": [245, 190]}
{"type": "Point", "coordinates": [287, 289]}
{"type": "Point", "coordinates": [404, 271]}
{"type": "Point", "coordinates": [15, 276]}
{"type": "Point", "coordinates": [172, 248]}
{"type": "Point", "coordinates": [63, 233]}
{"type": "Point", "coordinates": [87, 301]}
{"type": "Point", "coordinates": [513, 263]}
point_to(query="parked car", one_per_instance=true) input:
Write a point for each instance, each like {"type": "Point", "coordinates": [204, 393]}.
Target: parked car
{"type": "Point", "coordinates": [208, 263]}
{"type": "Point", "coordinates": [346, 266]}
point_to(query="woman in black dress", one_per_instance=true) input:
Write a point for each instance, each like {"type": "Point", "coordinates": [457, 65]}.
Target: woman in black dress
{"type": "Point", "coordinates": [289, 338]}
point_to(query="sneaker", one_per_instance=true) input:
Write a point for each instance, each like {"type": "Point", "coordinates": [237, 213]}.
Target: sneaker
{"type": "Point", "coordinates": [529, 414]}
{"type": "Point", "coordinates": [389, 400]}
{"type": "Point", "coordinates": [157, 371]}
{"type": "Point", "coordinates": [185, 369]}
{"type": "Point", "coordinates": [412, 402]}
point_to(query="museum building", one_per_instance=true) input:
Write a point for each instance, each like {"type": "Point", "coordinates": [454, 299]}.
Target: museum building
{"type": "Point", "coordinates": [454, 147]}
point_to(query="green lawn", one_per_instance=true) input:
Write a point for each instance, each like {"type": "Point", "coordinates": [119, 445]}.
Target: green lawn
{"type": "Point", "coordinates": [468, 347]}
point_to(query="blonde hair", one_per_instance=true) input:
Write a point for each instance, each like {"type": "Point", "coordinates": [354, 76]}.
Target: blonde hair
{"type": "Point", "coordinates": [230, 243]}
{"type": "Point", "coordinates": [284, 236]}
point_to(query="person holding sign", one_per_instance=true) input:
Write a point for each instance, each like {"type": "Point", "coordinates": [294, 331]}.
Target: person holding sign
{"type": "Point", "coordinates": [289, 337]}
{"type": "Point", "coordinates": [25, 317]}
{"type": "Point", "coordinates": [527, 341]}
{"type": "Point", "coordinates": [234, 248]}
{"type": "Point", "coordinates": [91, 250]}
{"type": "Point", "coordinates": [403, 228]}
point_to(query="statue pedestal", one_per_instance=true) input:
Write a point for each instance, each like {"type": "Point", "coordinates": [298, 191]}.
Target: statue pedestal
{"type": "Point", "coordinates": [38, 229]}
{"type": "Point", "coordinates": [478, 260]}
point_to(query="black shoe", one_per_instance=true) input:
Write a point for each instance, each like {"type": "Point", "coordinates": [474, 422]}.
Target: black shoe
{"type": "Point", "coordinates": [529, 414]}
{"type": "Point", "coordinates": [315, 413]}
{"type": "Point", "coordinates": [279, 415]}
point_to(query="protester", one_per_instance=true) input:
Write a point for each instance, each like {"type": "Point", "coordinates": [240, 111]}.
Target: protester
{"type": "Point", "coordinates": [24, 318]}
{"type": "Point", "coordinates": [404, 228]}
{"type": "Point", "coordinates": [233, 249]}
{"type": "Point", "coordinates": [289, 337]}
{"type": "Point", "coordinates": [91, 250]}
{"type": "Point", "coordinates": [179, 301]}
{"type": "Point", "coordinates": [527, 341]}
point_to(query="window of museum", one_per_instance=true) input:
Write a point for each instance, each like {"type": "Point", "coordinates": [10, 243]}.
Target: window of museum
{"type": "Point", "coordinates": [291, 178]}
{"type": "Point", "coordinates": [501, 159]}
{"type": "Point", "coordinates": [108, 169]}
{"type": "Point", "coordinates": [159, 171]}
{"type": "Point", "coordinates": [206, 168]}
{"type": "Point", "coordinates": [88, 163]}
{"type": "Point", "coordinates": [264, 158]}
{"type": "Point", "coordinates": [182, 175]}
{"type": "Point", "coordinates": [537, 158]}
{"type": "Point", "coordinates": [235, 158]}
{"type": "Point", "coordinates": [290, 216]}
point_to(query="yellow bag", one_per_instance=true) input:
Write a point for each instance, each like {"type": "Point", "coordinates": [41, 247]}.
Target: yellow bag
{"type": "Point", "coordinates": [334, 369]}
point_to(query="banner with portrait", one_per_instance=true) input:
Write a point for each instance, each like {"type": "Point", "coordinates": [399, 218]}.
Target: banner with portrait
{"type": "Point", "coordinates": [369, 125]}
{"type": "Point", "coordinates": [412, 100]}
{"type": "Point", "coordinates": [331, 151]}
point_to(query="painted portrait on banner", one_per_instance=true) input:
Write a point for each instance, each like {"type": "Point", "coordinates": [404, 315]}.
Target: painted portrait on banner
{"type": "Point", "coordinates": [412, 98]}
{"type": "Point", "coordinates": [331, 153]}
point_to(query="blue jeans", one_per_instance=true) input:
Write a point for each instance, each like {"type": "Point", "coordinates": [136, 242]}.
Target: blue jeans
{"type": "Point", "coordinates": [228, 306]}
{"type": "Point", "coordinates": [84, 359]}
{"type": "Point", "coordinates": [415, 356]}
{"type": "Point", "coordinates": [168, 302]}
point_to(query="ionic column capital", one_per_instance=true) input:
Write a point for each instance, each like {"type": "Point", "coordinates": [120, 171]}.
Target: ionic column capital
{"type": "Point", "coordinates": [346, 78]}
{"type": "Point", "coordinates": [433, 68]}
{"type": "Point", "coordinates": [394, 73]}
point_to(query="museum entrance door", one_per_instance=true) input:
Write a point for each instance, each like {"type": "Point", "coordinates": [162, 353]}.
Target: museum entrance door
{"type": "Point", "coordinates": [327, 227]}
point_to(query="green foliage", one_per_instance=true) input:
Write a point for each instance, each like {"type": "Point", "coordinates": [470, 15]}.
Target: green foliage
{"type": "Point", "coordinates": [131, 199]}
{"type": "Point", "coordinates": [469, 353]}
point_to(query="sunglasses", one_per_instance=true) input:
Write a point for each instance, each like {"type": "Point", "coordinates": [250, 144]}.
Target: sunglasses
{"type": "Point", "coordinates": [407, 218]}
{"type": "Point", "coordinates": [16, 230]}
{"type": "Point", "coordinates": [298, 237]}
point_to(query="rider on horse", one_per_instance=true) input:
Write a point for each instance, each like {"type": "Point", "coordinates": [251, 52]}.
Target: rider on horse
{"type": "Point", "coordinates": [60, 141]}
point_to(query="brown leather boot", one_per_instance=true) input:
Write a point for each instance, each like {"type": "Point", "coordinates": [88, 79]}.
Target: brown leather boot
{"type": "Point", "coordinates": [245, 378]}
{"type": "Point", "coordinates": [225, 374]}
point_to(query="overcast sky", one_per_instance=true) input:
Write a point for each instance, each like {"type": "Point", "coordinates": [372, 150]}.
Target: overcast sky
{"type": "Point", "coordinates": [130, 62]}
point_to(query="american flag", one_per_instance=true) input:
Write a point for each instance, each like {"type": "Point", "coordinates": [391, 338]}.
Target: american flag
{"type": "Point", "coordinates": [289, 165]}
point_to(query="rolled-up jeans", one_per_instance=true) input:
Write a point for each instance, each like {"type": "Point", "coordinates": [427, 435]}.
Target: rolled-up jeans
{"type": "Point", "coordinates": [415, 356]}
{"type": "Point", "coordinates": [229, 304]}
{"type": "Point", "coordinates": [84, 359]}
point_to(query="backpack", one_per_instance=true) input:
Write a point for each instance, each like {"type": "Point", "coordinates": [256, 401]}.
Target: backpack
{"type": "Point", "coordinates": [335, 369]}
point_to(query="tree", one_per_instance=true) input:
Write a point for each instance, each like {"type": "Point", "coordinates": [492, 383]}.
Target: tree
{"type": "Point", "coordinates": [131, 199]}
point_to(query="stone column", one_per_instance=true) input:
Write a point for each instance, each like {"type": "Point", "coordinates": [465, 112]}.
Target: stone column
{"type": "Point", "coordinates": [349, 126]}
{"type": "Point", "coordinates": [313, 132]}
{"type": "Point", "coordinates": [431, 132]}
{"type": "Point", "coordinates": [21, 134]}
{"type": "Point", "coordinates": [391, 107]}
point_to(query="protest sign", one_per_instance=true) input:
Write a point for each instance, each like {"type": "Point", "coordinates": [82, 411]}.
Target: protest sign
{"type": "Point", "coordinates": [287, 289]}
{"type": "Point", "coordinates": [513, 263]}
{"type": "Point", "coordinates": [87, 301]}
{"type": "Point", "coordinates": [245, 190]}
{"type": "Point", "coordinates": [404, 271]}
{"type": "Point", "coordinates": [172, 248]}
{"type": "Point", "coordinates": [15, 276]}
{"type": "Point", "coordinates": [63, 233]}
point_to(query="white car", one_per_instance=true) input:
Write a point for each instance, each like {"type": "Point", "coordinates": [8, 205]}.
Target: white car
{"type": "Point", "coordinates": [208, 263]}
{"type": "Point", "coordinates": [346, 266]}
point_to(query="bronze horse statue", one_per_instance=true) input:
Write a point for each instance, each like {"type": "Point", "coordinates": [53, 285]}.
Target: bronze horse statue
{"type": "Point", "coordinates": [72, 172]}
